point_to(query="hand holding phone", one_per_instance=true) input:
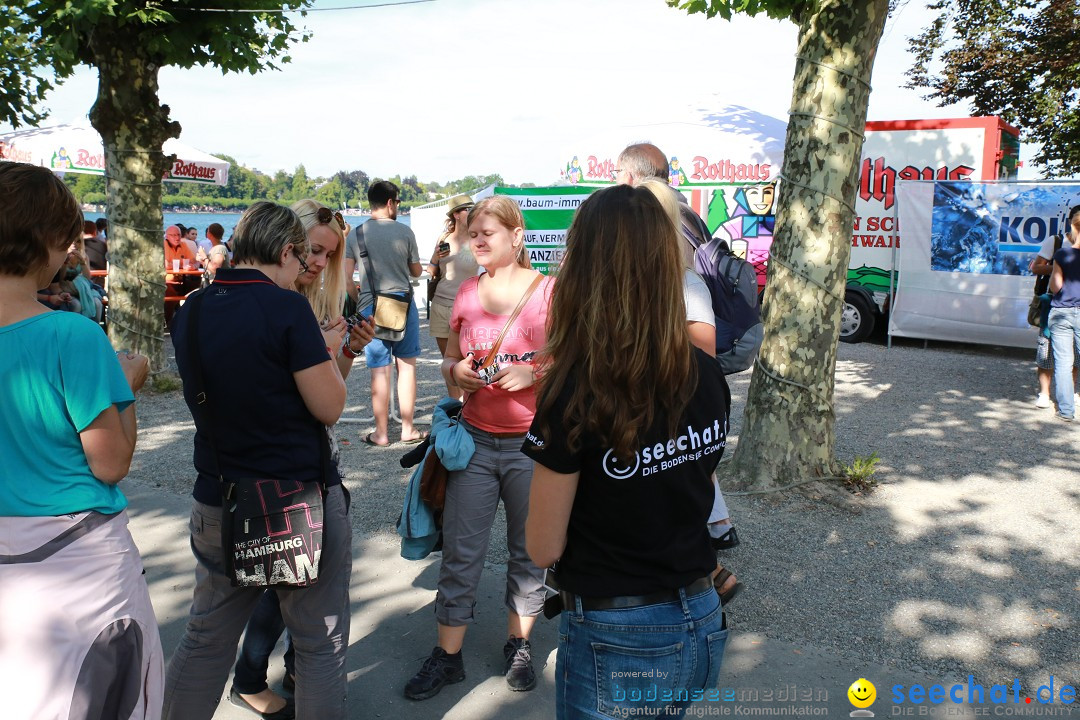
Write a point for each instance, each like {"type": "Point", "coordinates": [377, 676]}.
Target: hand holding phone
{"type": "Point", "coordinates": [361, 333]}
{"type": "Point", "coordinates": [357, 318]}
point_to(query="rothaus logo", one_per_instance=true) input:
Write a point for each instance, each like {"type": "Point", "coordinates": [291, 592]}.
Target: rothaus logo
{"type": "Point", "coordinates": [877, 181]}
{"type": "Point", "coordinates": [689, 446]}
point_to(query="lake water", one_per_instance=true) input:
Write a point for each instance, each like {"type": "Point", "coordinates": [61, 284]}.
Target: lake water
{"type": "Point", "coordinates": [227, 220]}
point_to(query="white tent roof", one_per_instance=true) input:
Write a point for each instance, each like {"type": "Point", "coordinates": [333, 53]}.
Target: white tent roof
{"type": "Point", "coordinates": [78, 148]}
{"type": "Point", "coordinates": [717, 145]}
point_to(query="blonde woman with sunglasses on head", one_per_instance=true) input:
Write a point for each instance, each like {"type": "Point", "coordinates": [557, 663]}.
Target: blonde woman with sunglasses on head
{"type": "Point", "coordinates": [323, 282]}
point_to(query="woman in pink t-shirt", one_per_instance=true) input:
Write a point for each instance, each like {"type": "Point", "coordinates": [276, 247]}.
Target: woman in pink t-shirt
{"type": "Point", "coordinates": [497, 413]}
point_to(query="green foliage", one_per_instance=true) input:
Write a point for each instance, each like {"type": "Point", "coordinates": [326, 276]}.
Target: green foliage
{"type": "Point", "coordinates": [247, 186]}
{"type": "Point", "coordinates": [165, 382]}
{"type": "Point", "coordinates": [859, 475]}
{"type": "Point", "coordinates": [24, 51]}
{"type": "Point", "coordinates": [776, 9]}
{"type": "Point", "coordinates": [43, 41]}
{"type": "Point", "coordinates": [82, 184]}
{"type": "Point", "coordinates": [1018, 59]}
{"type": "Point", "coordinates": [468, 184]}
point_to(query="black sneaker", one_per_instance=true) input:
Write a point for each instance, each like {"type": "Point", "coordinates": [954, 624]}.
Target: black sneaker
{"type": "Point", "coordinates": [438, 670]}
{"type": "Point", "coordinates": [519, 667]}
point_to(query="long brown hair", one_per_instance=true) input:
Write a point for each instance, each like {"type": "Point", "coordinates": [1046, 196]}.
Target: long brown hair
{"type": "Point", "coordinates": [617, 338]}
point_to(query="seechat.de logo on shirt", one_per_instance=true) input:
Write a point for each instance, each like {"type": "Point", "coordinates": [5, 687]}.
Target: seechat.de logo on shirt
{"type": "Point", "coordinates": [658, 457]}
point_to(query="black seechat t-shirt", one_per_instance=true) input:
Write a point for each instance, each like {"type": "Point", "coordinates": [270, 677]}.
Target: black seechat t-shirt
{"type": "Point", "coordinates": [638, 525]}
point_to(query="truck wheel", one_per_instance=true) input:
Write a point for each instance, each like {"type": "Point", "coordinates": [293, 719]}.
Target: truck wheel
{"type": "Point", "coordinates": [857, 322]}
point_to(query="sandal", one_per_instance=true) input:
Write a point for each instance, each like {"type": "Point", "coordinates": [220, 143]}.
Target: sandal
{"type": "Point", "coordinates": [416, 440]}
{"type": "Point", "coordinates": [726, 541]}
{"type": "Point", "coordinates": [721, 577]}
{"type": "Point", "coordinates": [368, 441]}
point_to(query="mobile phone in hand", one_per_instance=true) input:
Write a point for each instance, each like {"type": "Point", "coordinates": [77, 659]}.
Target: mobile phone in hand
{"type": "Point", "coordinates": [488, 374]}
{"type": "Point", "coordinates": [356, 318]}
{"type": "Point", "coordinates": [444, 247]}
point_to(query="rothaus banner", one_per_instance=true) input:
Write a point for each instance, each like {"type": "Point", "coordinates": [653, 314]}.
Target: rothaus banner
{"type": "Point", "coordinates": [964, 257]}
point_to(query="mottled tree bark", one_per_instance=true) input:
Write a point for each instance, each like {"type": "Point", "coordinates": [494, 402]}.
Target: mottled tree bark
{"type": "Point", "coordinates": [788, 429]}
{"type": "Point", "coordinates": [133, 126]}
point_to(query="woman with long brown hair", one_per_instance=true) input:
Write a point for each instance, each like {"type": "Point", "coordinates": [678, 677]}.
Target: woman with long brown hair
{"type": "Point", "coordinates": [631, 421]}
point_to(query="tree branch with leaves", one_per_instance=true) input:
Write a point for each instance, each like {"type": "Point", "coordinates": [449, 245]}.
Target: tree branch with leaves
{"type": "Point", "coordinates": [128, 42]}
{"type": "Point", "coordinates": [1017, 59]}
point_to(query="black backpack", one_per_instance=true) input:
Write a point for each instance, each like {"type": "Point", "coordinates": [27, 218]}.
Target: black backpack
{"type": "Point", "coordinates": [732, 283]}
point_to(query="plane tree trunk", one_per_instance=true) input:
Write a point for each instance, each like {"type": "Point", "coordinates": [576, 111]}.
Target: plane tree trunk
{"type": "Point", "coordinates": [133, 125]}
{"type": "Point", "coordinates": [788, 430]}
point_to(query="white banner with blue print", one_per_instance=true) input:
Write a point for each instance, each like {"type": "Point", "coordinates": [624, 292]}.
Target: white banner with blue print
{"type": "Point", "coordinates": [965, 254]}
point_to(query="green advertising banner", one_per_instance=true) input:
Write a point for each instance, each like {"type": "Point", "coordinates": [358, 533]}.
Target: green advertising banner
{"type": "Point", "coordinates": [548, 212]}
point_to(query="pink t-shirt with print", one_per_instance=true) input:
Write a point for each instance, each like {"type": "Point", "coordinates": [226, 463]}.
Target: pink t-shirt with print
{"type": "Point", "coordinates": [491, 408]}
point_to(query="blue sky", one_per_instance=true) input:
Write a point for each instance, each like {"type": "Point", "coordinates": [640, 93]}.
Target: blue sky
{"type": "Point", "coordinates": [451, 88]}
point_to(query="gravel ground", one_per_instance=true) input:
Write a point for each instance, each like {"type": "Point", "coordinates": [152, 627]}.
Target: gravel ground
{"type": "Point", "coordinates": [965, 559]}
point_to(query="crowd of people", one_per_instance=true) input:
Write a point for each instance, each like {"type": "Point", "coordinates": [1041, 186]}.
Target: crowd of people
{"type": "Point", "coordinates": [573, 389]}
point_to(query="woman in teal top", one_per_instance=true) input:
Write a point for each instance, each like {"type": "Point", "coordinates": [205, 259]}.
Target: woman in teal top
{"type": "Point", "coordinates": [75, 613]}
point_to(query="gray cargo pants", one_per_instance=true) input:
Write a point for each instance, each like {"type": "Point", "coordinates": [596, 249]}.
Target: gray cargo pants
{"type": "Point", "coordinates": [498, 469]}
{"type": "Point", "coordinates": [317, 617]}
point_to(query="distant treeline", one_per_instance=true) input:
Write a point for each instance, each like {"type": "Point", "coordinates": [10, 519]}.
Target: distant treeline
{"type": "Point", "coordinates": [247, 186]}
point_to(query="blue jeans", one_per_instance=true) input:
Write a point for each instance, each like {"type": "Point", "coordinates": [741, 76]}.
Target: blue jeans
{"type": "Point", "coordinates": [1064, 326]}
{"type": "Point", "coordinates": [378, 352]}
{"type": "Point", "coordinates": [616, 663]}
{"type": "Point", "coordinates": [264, 628]}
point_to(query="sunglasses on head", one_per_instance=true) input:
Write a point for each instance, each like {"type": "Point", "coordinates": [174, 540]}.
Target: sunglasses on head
{"type": "Point", "coordinates": [324, 215]}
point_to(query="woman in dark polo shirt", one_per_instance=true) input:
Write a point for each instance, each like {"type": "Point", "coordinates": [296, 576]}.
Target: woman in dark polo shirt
{"type": "Point", "coordinates": [631, 421]}
{"type": "Point", "coordinates": [268, 411]}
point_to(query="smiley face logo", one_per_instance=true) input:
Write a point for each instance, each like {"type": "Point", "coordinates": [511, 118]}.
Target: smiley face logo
{"type": "Point", "coordinates": [611, 466]}
{"type": "Point", "coordinates": [862, 693]}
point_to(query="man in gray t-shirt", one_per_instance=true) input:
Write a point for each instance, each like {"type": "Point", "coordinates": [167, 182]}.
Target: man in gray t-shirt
{"type": "Point", "coordinates": [392, 249]}
{"type": "Point", "coordinates": [395, 260]}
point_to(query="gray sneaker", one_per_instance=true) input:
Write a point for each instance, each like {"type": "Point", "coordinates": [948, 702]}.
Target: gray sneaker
{"type": "Point", "coordinates": [438, 670]}
{"type": "Point", "coordinates": [519, 668]}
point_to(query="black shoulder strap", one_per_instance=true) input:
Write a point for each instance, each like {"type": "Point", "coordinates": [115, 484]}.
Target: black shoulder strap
{"type": "Point", "coordinates": [369, 271]}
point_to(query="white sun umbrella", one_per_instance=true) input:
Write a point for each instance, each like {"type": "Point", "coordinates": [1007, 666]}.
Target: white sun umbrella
{"type": "Point", "coordinates": [77, 148]}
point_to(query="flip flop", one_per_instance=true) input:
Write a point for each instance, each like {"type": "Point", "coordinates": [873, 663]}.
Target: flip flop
{"type": "Point", "coordinates": [718, 582]}
{"type": "Point", "coordinates": [416, 440]}
{"type": "Point", "coordinates": [368, 441]}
